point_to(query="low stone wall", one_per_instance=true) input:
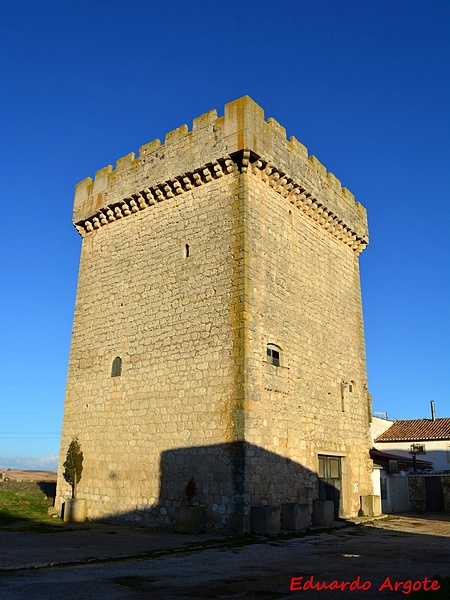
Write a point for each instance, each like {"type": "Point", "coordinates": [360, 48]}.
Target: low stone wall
{"type": "Point", "coordinates": [418, 490]}
{"type": "Point", "coordinates": [417, 493]}
{"type": "Point", "coordinates": [48, 487]}
{"type": "Point", "coordinates": [445, 480]}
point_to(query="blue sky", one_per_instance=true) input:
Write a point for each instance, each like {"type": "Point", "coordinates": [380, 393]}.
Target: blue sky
{"type": "Point", "coordinates": [364, 85]}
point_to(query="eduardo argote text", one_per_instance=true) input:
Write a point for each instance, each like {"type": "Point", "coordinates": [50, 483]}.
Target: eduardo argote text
{"type": "Point", "coordinates": [303, 584]}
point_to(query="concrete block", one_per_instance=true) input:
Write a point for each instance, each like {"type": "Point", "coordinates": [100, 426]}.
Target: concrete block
{"type": "Point", "coordinates": [266, 520]}
{"type": "Point", "coordinates": [295, 517]}
{"type": "Point", "coordinates": [190, 519]}
{"type": "Point", "coordinates": [371, 505]}
{"type": "Point", "coordinates": [323, 512]}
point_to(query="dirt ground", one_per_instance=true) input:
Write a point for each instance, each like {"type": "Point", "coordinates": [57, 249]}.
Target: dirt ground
{"type": "Point", "coordinates": [408, 550]}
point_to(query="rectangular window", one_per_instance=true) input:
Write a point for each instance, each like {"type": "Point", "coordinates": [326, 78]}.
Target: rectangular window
{"type": "Point", "coordinates": [273, 356]}
{"type": "Point", "coordinates": [322, 469]}
{"type": "Point", "coordinates": [393, 466]}
{"type": "Point", "coordinates": [334, 467]}
{"type": "Point", "coordinates": [329, 467]}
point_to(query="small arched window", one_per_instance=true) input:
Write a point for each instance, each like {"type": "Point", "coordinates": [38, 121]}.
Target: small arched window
{"type": "Point", "coordinates": [273, 354]}
{"type": "Point", "coordinates": [116, 370]}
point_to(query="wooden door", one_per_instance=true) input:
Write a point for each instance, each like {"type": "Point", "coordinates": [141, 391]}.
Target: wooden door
{"type": "Point", "coordinates": [330, 481]}
{"type": "Point", "coordinates": [435, 497]}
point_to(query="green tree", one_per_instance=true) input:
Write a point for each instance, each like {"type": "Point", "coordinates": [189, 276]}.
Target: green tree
{"type": "Point", "coordinates": [73, 465]}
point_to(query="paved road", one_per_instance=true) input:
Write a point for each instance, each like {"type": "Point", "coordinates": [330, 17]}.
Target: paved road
{"type": "Point", "coordinates": [405, 549]}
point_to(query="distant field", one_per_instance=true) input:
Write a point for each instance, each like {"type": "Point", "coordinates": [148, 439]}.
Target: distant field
{"type": "Point", "coordinates": [19, 475]}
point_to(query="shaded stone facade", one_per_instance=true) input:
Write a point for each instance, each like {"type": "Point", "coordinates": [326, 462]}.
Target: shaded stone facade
{"type": "Point", "coordinates": [218, 328]}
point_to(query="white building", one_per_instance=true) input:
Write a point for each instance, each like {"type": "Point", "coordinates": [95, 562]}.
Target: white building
{"type": "Point", "coordinates": [428, 438]}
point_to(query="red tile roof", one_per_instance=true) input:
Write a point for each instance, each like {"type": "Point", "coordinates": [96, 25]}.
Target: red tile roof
{"type": "Point", "coordinates": [417, 430]}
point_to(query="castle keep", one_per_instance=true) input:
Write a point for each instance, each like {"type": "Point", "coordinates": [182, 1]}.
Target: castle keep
{"type": "Point", "coordinates": [218, 330]}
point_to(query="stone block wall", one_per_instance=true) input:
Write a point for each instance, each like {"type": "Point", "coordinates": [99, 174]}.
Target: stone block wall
{"type": "Point", "coordinates": [196, 255]}
{"type": "Point", "coordinates": [304, 297]}
{"type": "Point", "coordinates": [169, 317]}
{"type": "Point", "coordinates": [445, 482]}
{"type": "Point", "coordinates": [418, 491]}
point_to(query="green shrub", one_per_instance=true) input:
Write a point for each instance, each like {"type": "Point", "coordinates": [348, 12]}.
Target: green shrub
{"type": "Point", "coordinates": [73, 465]}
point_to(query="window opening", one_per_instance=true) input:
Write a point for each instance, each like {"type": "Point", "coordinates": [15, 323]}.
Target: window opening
{"type": "Point", "coordinates": [116, 370]}
{"type": "Point", "coordinates": [417, 449]}
{"type": "Point", "coordinates": [273, 355]}
{"type": "Point", "coordinates": [334, 468]}
{"type": "Point", "coordinates": [322, 467]}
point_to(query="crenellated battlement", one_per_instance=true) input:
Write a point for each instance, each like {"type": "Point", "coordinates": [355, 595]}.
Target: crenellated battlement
{"type": "Point", "coordinates": [215, 147]}
{"type": "Point", "coordinates": [159, 191]}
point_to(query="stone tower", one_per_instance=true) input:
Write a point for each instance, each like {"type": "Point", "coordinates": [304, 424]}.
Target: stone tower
{"type": "Point", "coordinates": [218, 329]}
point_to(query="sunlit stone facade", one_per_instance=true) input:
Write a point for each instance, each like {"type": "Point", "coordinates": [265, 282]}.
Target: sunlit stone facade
{"type": "Point", "coordinates": [218, 329]}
